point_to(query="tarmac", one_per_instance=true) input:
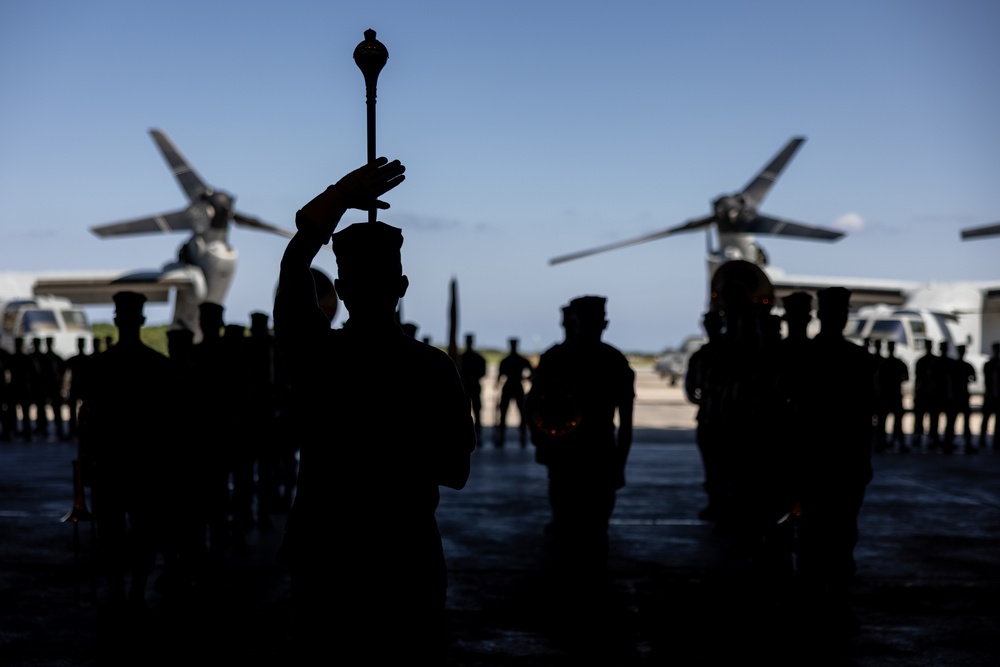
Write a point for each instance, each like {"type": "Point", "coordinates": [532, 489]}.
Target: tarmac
{"type": "Point", "coordinates": [927, 590]}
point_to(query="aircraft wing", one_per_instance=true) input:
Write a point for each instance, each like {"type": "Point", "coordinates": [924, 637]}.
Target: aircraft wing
{"type": "Point", "coordinates": [765, 224]}
{"type": "Point", "coordinates": [186, 176]}
{"type": "Point", "coordinates": [979, 232]}
{"type": "Point", "coordinates": [687, 226]}
{"type": "Point", "coordinates": [864, 291]}
{"type": "Point", "coordinates": [757, 189]}
{"type": "Point", "coordinates": [194, 217]}
{"type": "Point", "coordinates": [93, 288]}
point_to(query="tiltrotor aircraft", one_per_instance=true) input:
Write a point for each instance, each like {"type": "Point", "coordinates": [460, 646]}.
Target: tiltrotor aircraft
{"type": "Point", "coordinates": [960, 312]}
{"type": "Point", "coordinates": [205, 263]}
{"type": "Point", "coordinates": [737, 221]}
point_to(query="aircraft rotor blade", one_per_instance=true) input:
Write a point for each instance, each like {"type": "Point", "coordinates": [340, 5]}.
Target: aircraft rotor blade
{"type": "Point", "coordinates": [254, 223]}
{"type": "Point", "coordinates": [188, 179]}
{"type": "Point", "coordinates": [757, 189]}
{"type": "Point", "coordinates": [979, 232]}
{"type": "Point", "coordinates": [688, 226]}
{"type": "Point", "coordinates": [763, 224]}
{"type": "Point", "coordinates": [167, 222]}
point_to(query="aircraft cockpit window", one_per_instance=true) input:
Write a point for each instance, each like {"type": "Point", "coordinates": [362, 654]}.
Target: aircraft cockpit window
{"type": "Point", "coordinates": [75, 320]}
{"type": "Point", "coordinates": [889, 330]}
{"type": "Point", "coordinates": [39, 321]}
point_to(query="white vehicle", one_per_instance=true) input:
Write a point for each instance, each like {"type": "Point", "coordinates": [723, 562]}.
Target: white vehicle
{"type": "Point", "coordinates": [910, 326]}
{"type": "Point", "coordinates": [45, 317]}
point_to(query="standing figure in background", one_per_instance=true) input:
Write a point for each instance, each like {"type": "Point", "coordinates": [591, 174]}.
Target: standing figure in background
{"type": "Point", "coordinates": [890, 374]}
{"type": "Point", "coordinates": [512, 372]}
{"type": "Point", "coordinates": [183, 546]}
{"type": "Point", "coordinates": [991, 397]}
{"type": "Point", "coordinates": [472, 366]}
{"type": "Point", "coordinates": [23, 380]}
{"type": "Point", "coordinates": [76, 381]}
{"type": "Point", "coordinates": [8, 419]}
{"type": "Point", "coordinates": [211, 435]}
{"type": "Point", "coordinates": [700, 393]}
{"type": "Point", "coordinates": [55, 373]}
{"type": "Point", "coordinates": [42, 382]}
{"type": "Point", "coordinates": [240, 442]}
{"type": "Point", "coordinates": [960, 373]}
{"type": "Point", "coordinates": [125, 427]}
{"type": "Point", "coordinates": [793, 355]}
{"type": "Point", "coordinates": [262, 415]}
{"type": "Point", "coordinates": [940, 381]}
{"type": "Point", "coordinates": [923, 397]}
{"type": "Point", "coordinates": [834, 467]}
{"type": "Point", "coordinates": [583, 396]}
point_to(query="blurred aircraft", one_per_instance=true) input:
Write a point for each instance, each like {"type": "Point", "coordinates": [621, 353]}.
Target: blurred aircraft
{"type": "Point", "coordinates": [205, 263]}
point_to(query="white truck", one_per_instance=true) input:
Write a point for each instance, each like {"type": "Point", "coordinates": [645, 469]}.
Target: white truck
{"type": "Point", "coordinates": [44, 317]}
{"type": "Point", "coordinates": [974, 325]}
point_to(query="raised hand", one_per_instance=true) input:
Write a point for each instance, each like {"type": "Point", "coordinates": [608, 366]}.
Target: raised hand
{"type": "Point", "coordinates": [359, 189]}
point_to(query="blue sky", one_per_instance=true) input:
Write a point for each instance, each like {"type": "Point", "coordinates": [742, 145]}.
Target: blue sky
{"type": "Point", "coordinates": [529, 130]}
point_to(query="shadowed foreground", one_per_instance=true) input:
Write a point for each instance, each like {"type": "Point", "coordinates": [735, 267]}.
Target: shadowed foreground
{"type": "Point", "coordinates": [927, 592]}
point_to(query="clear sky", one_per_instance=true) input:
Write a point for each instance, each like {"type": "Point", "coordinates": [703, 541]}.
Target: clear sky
{"type": "Point", "coordinates": [528, 129]}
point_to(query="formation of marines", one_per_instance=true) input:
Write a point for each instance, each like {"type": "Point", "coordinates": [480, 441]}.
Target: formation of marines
{"type": "Point", "coordinates": [787, 425]}
{"type": "Point", "coordinates": [180, 452]}
{"type": "Point", "coordinates": [34, 387]}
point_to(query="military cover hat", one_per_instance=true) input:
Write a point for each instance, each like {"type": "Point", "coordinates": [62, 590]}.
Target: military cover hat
{"type": "Point", "coordinates": [369, 247]}
{"type": "Point", "coordinates": [797, 304]}
{"type": "Point", "coordinates": [833, 298]}
{"type": "Point", "coordinates": [208, 308]}
{"type": "Point", "coordinates": [589, 307]}
{"type": "Point", "coordinates": [739, 286]}
{"type": "Point", "coordinates": [128, 303]}
{"type": "Point", "coordinates": [259, 321]}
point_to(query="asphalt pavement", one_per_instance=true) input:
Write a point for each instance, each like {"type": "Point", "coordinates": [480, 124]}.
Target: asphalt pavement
{"type": "Point", "coordinates": [927, 590]}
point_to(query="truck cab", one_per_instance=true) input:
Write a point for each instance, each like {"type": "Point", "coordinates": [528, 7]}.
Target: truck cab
{"type": "Point", "coordinates": [45, 317]}
{"type": "Point", "coordinates": [909, 328]}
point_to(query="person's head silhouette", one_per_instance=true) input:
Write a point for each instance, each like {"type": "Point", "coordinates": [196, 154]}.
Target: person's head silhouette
{"type": "Point", "coordinates": [370, 278]}
{"type": "Point", "coordinates": [128, 314]}
{"type": "Point", "coordinates": [832, 309]}
{"type": "Point", "coordinates": [210, 320]}
{"type": "Point", "coordinates": [179, 342]}
{"type": "Point", "coordinates": [258, 324]}
{"type": "Point", "coordinates": [590, 316]}
{"type": "Point", "coordinates": [798, 311]}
